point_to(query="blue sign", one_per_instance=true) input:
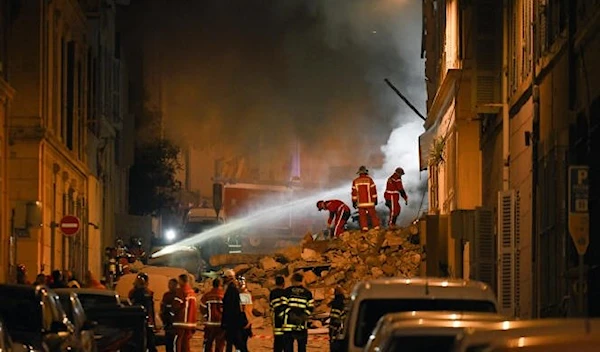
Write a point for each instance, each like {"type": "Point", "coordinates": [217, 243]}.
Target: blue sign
{"type": "Point", "coordinates": [578, 189]}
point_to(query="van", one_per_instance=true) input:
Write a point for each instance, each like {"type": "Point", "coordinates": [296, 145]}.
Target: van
{"type": "Point", "coordinates": [370, 300]}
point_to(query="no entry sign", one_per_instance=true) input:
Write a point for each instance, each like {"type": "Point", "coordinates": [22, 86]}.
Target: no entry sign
{"type": "Point", "coordinates": [69, 225]}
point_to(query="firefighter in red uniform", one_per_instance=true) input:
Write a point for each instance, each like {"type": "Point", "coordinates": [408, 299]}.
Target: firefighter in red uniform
{"type": "Point", "coordinates": [364, 197]}
{"type": "Point", "coordinates": [393, 191]}
{"type": "Point", "coordinates": [211, 305]}
{"type": "Point", "coordinates": [339, 213]}
{"type": "Point", "coordinates": [186, 313]}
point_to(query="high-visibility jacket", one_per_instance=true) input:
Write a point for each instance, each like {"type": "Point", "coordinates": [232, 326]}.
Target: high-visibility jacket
{"type": "Point", "coordinates": [394, 188]}
{"type": "Point", "coordinates": [142, 296]}
{"type": "Point", "coordinates": [166, 309]}
{"type": "Point", "coordinates": [337, 313]}
{"type": "Point", "coordinates": [364, 191]}
{"type": "Point", "coordinates": [186, 311]}
{"type": "Point", "coordinates": [299, 305]}
{"type": "Point", "coordinates": [335, 207]}
{"type": "Point", "coordinates": [277, 304]}
{"type": "Point", "coordinates": [211, 305]}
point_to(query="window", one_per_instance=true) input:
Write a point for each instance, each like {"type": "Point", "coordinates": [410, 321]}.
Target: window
{"type": "Point", "coordinates": [70, 96]}
{"type": "Point", "coordinates": [370, 311]}
{"type": "Point", "coordinates": [420, 343]}
{"type": "Point", "coordinates": [20, 313]}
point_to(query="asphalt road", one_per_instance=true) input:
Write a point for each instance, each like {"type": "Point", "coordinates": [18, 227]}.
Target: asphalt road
{"type": "Point", "coordinates": [263, 342]}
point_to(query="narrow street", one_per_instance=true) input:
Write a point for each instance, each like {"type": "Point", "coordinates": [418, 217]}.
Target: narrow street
{"type": "Point", "coordinates": [263, 341]}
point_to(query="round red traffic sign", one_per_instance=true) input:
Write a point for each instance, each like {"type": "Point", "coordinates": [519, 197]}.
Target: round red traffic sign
{"type": "Point", "coordinates": [69, 225]}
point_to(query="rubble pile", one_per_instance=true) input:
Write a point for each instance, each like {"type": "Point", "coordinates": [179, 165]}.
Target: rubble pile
{"type": "Point", "coordinates": [345, 261]}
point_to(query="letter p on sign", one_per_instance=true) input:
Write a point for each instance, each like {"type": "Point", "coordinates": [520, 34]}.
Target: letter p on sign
{"type": "Point", "coordinates": [582, 176]}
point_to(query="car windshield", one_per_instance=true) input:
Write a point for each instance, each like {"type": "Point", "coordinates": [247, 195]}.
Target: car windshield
{"type": "Point", "coordinates": [200, 226]}
{"type": "Point", "coordinates": [89, 301]}
{"type": "Point", "coordinates": [421, 343]}
{"type": "Point", "coordinates": [370, 311]}
{"type": "Point", "coordinates": [21, 313]}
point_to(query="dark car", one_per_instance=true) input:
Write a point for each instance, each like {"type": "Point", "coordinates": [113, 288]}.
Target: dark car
{"type": "Point", "coordinates": [34, 317]}
{"type": "Point", "coordinates": [84, 332]}
{"type": "Point", "coordinates": [120, 327]}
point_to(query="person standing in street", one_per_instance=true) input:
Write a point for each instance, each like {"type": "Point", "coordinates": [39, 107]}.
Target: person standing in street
{"type": "Point", "coordinates": [393, 191]}
{"type": "Point", "coordinates": [141, 295]}
{"type": "Point", "coordinates": [299, 305]}
{"type": "Point", "coordinates": [364, 197]}
{"type": "Point", "coordinates": [336, 318]}
{"type": "Point", "coordinates": [186, 314]}
{"type": "Point", "coordinates": [234, 320]}
{"type": "Point", "coordinates": [277, 304]}
{"type": "Point", "coordinates": [211, 305]}
{"type": "Point", "coordinates": [339, 213]}
{"type": "Point", "coordinates": [167, 313]}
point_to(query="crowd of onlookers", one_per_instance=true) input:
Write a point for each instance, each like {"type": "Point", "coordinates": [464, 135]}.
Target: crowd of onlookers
{"type": "Point", "coordinates": [59, 279]}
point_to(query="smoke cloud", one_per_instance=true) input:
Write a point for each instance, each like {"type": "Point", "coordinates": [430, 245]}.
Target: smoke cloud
{"type": "Point", "coordinates": [264, 73]}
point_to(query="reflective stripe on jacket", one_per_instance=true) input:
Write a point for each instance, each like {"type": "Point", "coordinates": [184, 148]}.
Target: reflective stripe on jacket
{"type": "Point", "coordinates": [186, 314]}
{"type": "Point", "coordinates": [364, 191]}
{"type": "Point", "coordinates": [211, 305]}
{"type": "Point", "coordinates": [299, 305]}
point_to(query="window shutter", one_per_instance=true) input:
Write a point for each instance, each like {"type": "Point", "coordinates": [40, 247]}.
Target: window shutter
{"type": "Point", "coordinates": [507, 257]}
{"type": "Point", "coordinates": [482, 249]}
{"type": "Point", "coordinates": [486, 36]}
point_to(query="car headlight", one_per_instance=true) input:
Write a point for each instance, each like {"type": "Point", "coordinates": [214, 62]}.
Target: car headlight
{"type": "Point", "coordinates": [170, 235]}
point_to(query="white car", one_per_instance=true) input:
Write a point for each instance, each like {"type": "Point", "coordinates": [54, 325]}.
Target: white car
{"type": "Point", "coordinates": [370, 300]}
{"type": "Point", "coordinates": [534, 334]}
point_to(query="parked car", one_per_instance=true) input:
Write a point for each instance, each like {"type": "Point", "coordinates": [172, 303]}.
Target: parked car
{"type": "Point", "coordinates": [429, 331]}
{"type": "Point", "coordinates": [374, 298]}
{"type": "Point", "coordinates": [7, 344]}
{"type": "Point", "coordinates": [119, 327]}
{"type": "Point", "coordinates": [33, 316]}
{"type": "Point", "coordinates": [84, 328]}
{"type": "Point", "coordinates": [536, 335]}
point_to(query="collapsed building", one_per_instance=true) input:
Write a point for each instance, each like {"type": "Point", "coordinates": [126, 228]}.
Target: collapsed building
{"type": "Point", "coordinates": [354, 256]}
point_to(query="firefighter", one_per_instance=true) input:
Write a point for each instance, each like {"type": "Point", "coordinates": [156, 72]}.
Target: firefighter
{"type": "Point", "coordinates": [393, 191]}
{"type": "Point", "coordinates": [339, 213]}
{"type": "Point", "coordinates": [185, 318]}
{"type": "Point", "coordinates": [364, 197]}
{"type": "Point", "coordinates": [167, 313]}
{"type": "Point", "coordinates": [277, 308]}
{"type": "Point", "coordinates": [337, 316]}
{"type": "Point", "coordinates": [299, 305]}
{"type": "Point", "coordinates": [211, 305]}
{"type": "Point", "coordinates": [141, 295]}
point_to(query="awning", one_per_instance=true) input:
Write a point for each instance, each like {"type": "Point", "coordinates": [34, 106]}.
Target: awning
{"type": "Point", "coordinates": [425, 143]}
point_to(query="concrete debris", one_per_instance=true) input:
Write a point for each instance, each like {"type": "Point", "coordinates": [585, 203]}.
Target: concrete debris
{"type": "Point", "coordinates": [354, 256]}
{"type": "Point", "coordinates": [268, 263]}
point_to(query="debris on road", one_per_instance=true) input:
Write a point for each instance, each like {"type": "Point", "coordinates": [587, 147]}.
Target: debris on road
{"type": "Point", "coordinates": [354, 256]}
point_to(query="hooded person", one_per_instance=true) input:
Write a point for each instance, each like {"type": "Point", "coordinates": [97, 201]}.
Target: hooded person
{"type": "Point", "coordinates": [364, 198]}
{"type": "Point", "coordinates": [234, 320]}
{"type": "Point", "coordinates": [393, 191]}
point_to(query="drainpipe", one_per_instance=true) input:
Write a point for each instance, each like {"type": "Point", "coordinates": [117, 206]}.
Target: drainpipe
{"type": "Point", "coordinates": [504, 103]}
{"type": "Point", "coordinates": [535, 126]}
{"type": "Point", "coordinates": [53, 223]}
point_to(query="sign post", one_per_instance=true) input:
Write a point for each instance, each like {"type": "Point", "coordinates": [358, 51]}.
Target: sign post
{"type": "Point", "coordinates": [579, 221]}
{"type": "Point", "coordinates": [69, 225]}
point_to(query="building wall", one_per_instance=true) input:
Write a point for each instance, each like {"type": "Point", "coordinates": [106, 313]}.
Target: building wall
{"type": "Point", "coordinates": [6, 95]}
{"type": "Point", "coordinates": [49, 131]}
